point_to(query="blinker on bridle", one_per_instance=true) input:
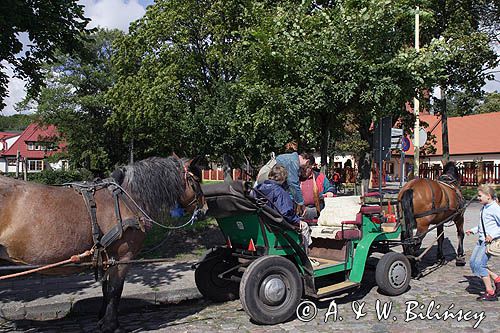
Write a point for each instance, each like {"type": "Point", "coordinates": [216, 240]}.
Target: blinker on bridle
{"type": "Point", "coordinates": [193, 181]}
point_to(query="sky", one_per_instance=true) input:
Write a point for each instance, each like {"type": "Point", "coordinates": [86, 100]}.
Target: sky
{"type": "Point", "coordinates": [104, 13]}
{"type": "Point", "coordinates": [118, 14]}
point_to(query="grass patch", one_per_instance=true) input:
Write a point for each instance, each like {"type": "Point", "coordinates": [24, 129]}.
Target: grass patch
{"type": "Point", "coordinates": [470, 192]}
{"type": "Point", "coordinates": [158, 234]}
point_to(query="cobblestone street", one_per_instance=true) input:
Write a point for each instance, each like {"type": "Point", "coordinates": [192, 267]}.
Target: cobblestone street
{"type": "Point", "coordinates": [443, 300]}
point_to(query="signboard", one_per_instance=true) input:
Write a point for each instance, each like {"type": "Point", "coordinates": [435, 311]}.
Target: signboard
{"type": "Point", "coordinates": [396, 136]}
{"type": "Point", "coordinates": [422, 136]}
{"type": "Point", "coordinates": [405, 144]}
{"type": "Point", "coordinates": [382, 139]}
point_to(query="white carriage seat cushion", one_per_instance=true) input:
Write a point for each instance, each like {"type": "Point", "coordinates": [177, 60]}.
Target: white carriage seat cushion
{"type": "Point", "coordinates": [338, 209]}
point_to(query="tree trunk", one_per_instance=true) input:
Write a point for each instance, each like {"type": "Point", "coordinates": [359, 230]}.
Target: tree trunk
{"type": "Point", "coordinates": [444, 127]}
{"type": "Point", "coordinates": [364, 169]}
{"type": "Point", "coordinates": [325, 140]}
{"type": "Point", "coordinates": [227, 167]}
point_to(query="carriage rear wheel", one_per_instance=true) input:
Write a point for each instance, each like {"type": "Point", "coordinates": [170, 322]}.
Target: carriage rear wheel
{"type": "Point", "coordinates": [207, 278]}
{"type": "Point", "coordinates": [270, 290]}
{"type": "Point", "coordinates": [393, 273]}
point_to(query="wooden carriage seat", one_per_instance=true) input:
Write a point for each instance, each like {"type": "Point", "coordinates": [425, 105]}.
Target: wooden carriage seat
{"type": "Point", "coordinates": [340, 219]}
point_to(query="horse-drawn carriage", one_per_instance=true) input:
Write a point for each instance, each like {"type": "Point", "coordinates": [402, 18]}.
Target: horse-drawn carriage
{"type": "Point", "coordinates": [265, 263]}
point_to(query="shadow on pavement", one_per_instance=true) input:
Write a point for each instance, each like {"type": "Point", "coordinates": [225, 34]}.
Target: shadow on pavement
{"type": "Point", "coordinates": [143, 316]}
{"type": "Point", "coordinates": [38, 286]}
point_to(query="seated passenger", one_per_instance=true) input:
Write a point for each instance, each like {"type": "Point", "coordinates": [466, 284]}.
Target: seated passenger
{"type": "Point", "coordinates": [315, 186]}
{"type": "Point", "coordinates": [280, 200]}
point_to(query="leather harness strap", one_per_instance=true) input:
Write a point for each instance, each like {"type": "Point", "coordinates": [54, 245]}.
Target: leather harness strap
{"type": "Point", "coordinates": [446, 208]}
{"type": "Point", "coordinates": [102, 242]}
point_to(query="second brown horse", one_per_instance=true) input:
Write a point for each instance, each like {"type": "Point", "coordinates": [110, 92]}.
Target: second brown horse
{"type": "Point", "coordinates": [427, 202]}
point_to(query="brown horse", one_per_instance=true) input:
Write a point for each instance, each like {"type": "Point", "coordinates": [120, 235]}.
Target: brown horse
{"type": "Point", "coordinates": [428, 202]}
{"type": "Point", "coordinates": [42, 224]}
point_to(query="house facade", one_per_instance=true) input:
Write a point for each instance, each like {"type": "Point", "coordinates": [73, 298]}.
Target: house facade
{"type": "Point", "coordinates": [7, 139]}
{"type": "Point", "coordinates": [472, 140]}
{"type": "Point", "coordinates": [30, 149]}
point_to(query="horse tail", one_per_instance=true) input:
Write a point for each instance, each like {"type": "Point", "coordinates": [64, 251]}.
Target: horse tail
{"type": "Point", "coordinates": [407, 206]}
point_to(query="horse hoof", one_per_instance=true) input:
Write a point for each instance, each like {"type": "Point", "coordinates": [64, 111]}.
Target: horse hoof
{"type": "Point", "coordinates": [460, 262]}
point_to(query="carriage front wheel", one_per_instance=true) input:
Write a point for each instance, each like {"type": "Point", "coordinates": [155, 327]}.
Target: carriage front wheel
{"type": "Point", "coordinates": [206, 276]}
{"type": "Point", "coordinates": [393, 273]}
{"type": "Point", "coordinates": [270, 290]}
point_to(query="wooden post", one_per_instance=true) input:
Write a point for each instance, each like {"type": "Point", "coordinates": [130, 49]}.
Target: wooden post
{"type": "Point", "coordinates": [18, 156]}
{"type": "Point", "coordinates": [25, 169]}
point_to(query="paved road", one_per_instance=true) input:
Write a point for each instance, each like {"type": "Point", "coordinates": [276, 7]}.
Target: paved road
{"type": "Point", "coordinates": [445, 290]}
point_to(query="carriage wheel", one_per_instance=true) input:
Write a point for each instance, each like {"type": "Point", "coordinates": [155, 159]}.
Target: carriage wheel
{"type": "Point", "coordinates": [393, 273]}
{"type": "Point", "coordinates": [206, 276]}
{"type": "Point", "coordinates": [270, 290]}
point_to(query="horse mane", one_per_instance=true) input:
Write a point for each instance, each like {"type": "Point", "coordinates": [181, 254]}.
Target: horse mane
{"type": "Point", "coordinates": [450, 169]}
{"type": "Point", "coordinates": [155, 183]}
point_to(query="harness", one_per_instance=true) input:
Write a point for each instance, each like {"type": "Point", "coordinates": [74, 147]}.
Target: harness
{"type": "Point", "coordinates": [103, 241]}
{"type": "Point", "coordinates": [447, 181]}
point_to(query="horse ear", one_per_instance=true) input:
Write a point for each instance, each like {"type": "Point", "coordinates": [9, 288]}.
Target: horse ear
{"type": "Point", "coordinates": [197, 164]}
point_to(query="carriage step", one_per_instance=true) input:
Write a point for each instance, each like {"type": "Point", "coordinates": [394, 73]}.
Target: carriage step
{"type": "Point", "coordinates": [322, 263]}
{"type": "Point", "coordinates": [325, 291]}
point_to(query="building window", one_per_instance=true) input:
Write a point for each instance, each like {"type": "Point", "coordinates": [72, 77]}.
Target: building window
{"type": "Point", "coordinates": [31, 146]}
{"type": "Point", "coordinates": [35, 165]}
{"type": "Point", "coordinates": [12, 162]}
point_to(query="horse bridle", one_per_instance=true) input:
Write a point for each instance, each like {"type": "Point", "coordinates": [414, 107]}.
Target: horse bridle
{"type": "Point", "coordinates": [194, 182]}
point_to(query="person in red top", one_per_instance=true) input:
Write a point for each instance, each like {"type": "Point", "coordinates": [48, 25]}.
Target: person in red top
{"type": "Point", "coordinates": [336, 180]}
{"type": "Point", "coordinates": [314, 186]}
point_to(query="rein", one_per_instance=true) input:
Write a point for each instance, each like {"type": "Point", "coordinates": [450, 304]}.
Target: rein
{"type": "Point", "coordinates": [106, 182]}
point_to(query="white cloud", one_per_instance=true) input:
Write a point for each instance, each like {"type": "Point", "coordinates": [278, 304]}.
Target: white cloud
{"type": "Point", "coordinates": [112, 13]}
{"type": "Point", "coordinates": [15, 90]}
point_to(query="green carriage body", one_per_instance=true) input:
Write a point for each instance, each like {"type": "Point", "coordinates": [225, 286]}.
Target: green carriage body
{"type": "Point", "coordinates": [253, 232]}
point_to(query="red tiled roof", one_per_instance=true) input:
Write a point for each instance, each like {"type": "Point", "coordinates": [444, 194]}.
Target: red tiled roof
{"type": "Point", "coordinates": [34, 133]}
{"type": "Point", "coordinates": [6, 135]}
{"type": "Point", "coordinates": [475, 134]}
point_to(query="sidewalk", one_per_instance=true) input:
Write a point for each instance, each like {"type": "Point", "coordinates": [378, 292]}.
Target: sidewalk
{"type": "Point", "coordinates": [39, 297]}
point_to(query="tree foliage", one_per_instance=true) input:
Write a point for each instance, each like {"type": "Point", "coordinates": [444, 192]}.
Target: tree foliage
{"type": "Point", "coordinates": [74, 101]}
{"type": "Point", "coordinates": [16, 122]}
{"type": "Point", "coordinates": [49, 26]}
{"type": "Point", "coordinates": [246, 76]}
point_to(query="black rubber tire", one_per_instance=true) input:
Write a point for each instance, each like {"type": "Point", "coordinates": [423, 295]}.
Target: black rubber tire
{"type": "Point", "coordinates": [252, 290]}
{"type": "Point", "coordinates": [209, 284]}
{"type": "Point", "coordinates": [393, 274]}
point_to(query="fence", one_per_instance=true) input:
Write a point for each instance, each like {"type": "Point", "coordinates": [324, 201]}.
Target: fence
{"type": "Point", "coordinates": [470, 176]}
{"type": "Point", "coordinates": [218, 175]}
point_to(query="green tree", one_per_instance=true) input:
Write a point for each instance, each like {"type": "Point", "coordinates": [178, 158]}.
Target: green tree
{"type": "Point", "coordinates": [176, 90]}
{"type": "Point", "coordinates": [245, 77]}
{"type": "Point", "coordinates": [16, 122]}
{"type": "Point", "coordinates": [491, 103]}
{"type": "Point", "coordinates": [74, 101]}
{"type": "Point", "coordinates": [462, 33]}
{"type": "Point", "coordinates": [50, 25]}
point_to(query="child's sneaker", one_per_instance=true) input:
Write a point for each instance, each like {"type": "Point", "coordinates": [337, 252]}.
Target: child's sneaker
{"type": "Point", "coordinates": [497, 289]}
{"type": "Point", "coordinates": [487, 297]}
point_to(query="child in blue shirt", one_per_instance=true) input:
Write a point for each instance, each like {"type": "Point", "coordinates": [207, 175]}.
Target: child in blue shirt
{"type": "Point", "coordinates": [490, 219]}
{"type": "Point", "coordinates": [280, 200]}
